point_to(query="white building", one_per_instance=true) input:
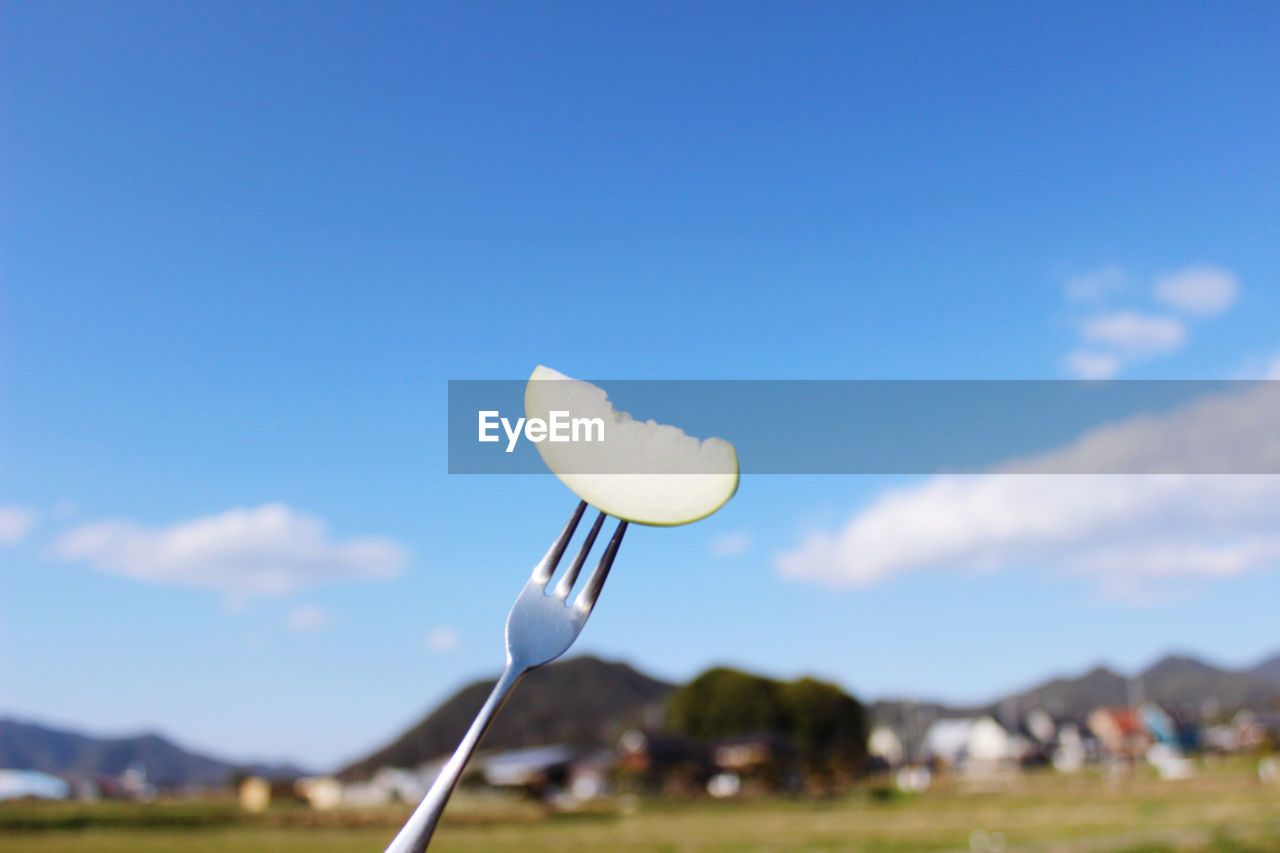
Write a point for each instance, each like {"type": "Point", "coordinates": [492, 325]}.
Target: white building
{"type": "Point", "coordinates": [969, 741]}
{"type": "Point", "coordinates": [885, 745]}
{"type": "Point", "coordinates": [18, 784]}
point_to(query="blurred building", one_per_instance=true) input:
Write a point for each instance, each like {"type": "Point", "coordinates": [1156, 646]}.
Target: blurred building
{"type": "Point", "coordinates": [669, 763]}
{"type": "Point", "coordinates": [884, 748]}
{"type": "Point", "coordinates": [255, 794]}
{"type": "Point", "coordinates": [32, 784]}
{"type": "Point", "coordinates": [1120, 732]}
{"type": "Point", "coordinates": [322, 793]}
{"type": "Point", "coordinates": [968, 742]}
{"type": "Point", "coordinates": [534, 770]}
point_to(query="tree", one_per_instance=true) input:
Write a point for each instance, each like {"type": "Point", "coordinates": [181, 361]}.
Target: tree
{"type": "Point", "coordinates": [827, 725]}
{"type": "Point", "coordinates": [724, 702]}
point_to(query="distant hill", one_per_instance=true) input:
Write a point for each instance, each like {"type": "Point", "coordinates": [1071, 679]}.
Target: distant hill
{"type": "Point", "coordinates": [590, 702]}
{"type": "Point", "coordinates": [1071, 697]}
{"type": "Point", "coordinates": [1268, 672]}
{"type": "Point", "coordinates": [583, 701]}
{"type": "Point", "coordinates": [31, 746]}
{"type": "Point", "coordinates": [1176, 681]}
{"type": "Point", "coordinates": [1180, 680]}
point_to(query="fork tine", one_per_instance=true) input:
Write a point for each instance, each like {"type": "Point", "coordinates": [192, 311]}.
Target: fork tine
{"type": "Point", "coordinates": [542, 571]}
{"type": "Point", "coordinates": [587, 599]}
{"type": "Point", "coordinates": [568, 579]}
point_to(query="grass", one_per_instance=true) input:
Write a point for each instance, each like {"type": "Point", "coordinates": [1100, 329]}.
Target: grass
{"type": "Point", "coordinates": [1225, 808]}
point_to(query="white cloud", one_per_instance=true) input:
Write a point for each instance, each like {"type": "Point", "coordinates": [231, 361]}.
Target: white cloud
{"type": "Point", "coordinates": [730, 544]}
{"type": "Point", "coordinates": [1232, 432]}
{"type": "Point", "coordinates": [1134, 535]}
{"type": "Point", "coordinates": [15, 523]}
{"type": "Point", "coordinates": [307, 618]}
{"type": "Point", "coordinates": [1135, 335]}
{"type": "Point", "coordinates": [443, 639]}
{"type": "Point", "coordinates": [1129, 533]}
{"type": "Point", "coordinates": [1089, 364]}
{"type": "Point", "coordinates": [1258, 367]}
{"type": "Point", "coordinates": [1273, 369]}
{"type": "Point", "coordinates": [1112, 340]}
{"type": "Point", "coordinates": [1096, 285]}
{"type": "Point", "coordinates": [266, 550]}
{"type": "Point", "coordinates": [1201, 291]}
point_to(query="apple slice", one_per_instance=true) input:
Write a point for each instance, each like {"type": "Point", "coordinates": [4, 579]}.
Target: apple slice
{"type": "Point", "coordinates": [641, 471]}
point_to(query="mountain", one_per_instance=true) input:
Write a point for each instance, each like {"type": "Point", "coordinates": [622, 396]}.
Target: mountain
{"type": "Point", "coordinates": [589, 702]}
{"type": "Point", "coordinates": [1070, 697]}
{"type": "Point", "coordinates": [1064, 698]}
{"type": "Point", "coordinates": [1183, 681]}
{"type": "Point", "coordinates": [583, 701]}
{"type": "Point", "coordinates": [1268, 672]}
{"type": "Point", "coordinates": [30, 746]}
{"type": "Point", "coordinates": [1176, 681]}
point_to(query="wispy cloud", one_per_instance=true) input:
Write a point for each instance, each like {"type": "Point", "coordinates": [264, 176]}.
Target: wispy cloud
{"type": "Point", "coordinates": [267, 550]}
{"type": "Point", "coordinates": [1116, 339]}
{"type": "Point", "coordinates": [731, 544]}
{"type": "Point", "coordinates": [1090, 364]}
{"type": "Point", "coordinates": [1134, 535]}
{"type": "Point", "coordinates": [1236, 431]}
{"type": "Point", "coordinates": [443, 639]}
{"type": "Point", "coordinates": [309, 618]}
{"type": "Point", "coordinates": [15, 523]}
{"type": "Point", "coordinates": [1113, 339]}
{"type": "Point", "coordinates": [1132, 335]}
{"type": "Point", "coordinates": [1258, 367]}
{"type": "Point", "coordinates": [1095, 285]}
{"type": "Point", "coordinates": [1273, 369]}
{"type": "Point", "coordinates": [1199, 291]}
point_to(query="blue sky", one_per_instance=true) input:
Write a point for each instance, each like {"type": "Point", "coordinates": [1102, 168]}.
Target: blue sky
{"type": "Point", "coordinates": [245, 246]}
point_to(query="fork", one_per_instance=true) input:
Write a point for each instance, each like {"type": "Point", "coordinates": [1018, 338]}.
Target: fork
{"type": "Point", "coordinates": [541, 627]}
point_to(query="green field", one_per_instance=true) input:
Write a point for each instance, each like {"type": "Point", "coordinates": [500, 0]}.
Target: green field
{"type": "Point", "coordinates": [1224, 808]}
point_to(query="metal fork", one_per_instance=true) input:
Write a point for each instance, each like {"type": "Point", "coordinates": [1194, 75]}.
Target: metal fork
{"type": "Point", "coordinates": [541, 627]}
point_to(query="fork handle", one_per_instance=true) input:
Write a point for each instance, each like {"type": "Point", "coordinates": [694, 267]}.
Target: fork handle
{"type": "Point", "coordinates": [416, 833]}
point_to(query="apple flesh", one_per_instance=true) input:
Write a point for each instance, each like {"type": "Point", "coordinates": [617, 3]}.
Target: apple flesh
{"type": "Point", "coordinates": [641, 471]}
